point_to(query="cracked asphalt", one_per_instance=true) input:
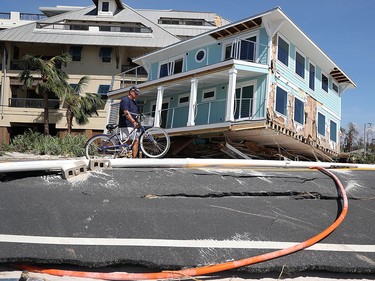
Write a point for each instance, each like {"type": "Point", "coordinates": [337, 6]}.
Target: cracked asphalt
{"type": "Point", "coordinates": [118, 206]}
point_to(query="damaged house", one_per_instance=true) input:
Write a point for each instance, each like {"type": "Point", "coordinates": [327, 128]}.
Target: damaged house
{"type": "Point", "coordinates": [255, 88]}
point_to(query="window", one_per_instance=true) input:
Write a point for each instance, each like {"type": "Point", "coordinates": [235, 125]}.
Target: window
{"type": "Point", "coordinates": [74, 86]}
{"type": "Point", "coordinates": [283, 51]}
{"type": "Point", "coordinates": [75, 52]}
{"type": "Point", "coordinates": [105, 7]}
{"type": "Point", "coordinates": [164, 70]}
{"type": "Point", "coordinates": [321, 124]}
{"type": "Point", "coordinates": [247, 49]}
{"type": "Point", "coordinates": [200, 55]}
{"type": "Point", "coordinates": [243, 50]}
{"type": "Point", "coordinates": [209, 95]}
{"type": "Point", "coordinates": [335, 87]}
{"type": "Point", "coordinates": [312, 77]}
{"type": "Point", "coordinates": [325, 83]}
{"type": "Point", "coordinates": [299, 111]}
{"type": "Point", "coordinates": [183, 100]}
{"type": "Point", "coordinates": [300, 65]}
{"type": "Point", "coordinates": [244, 102]}
{"type": "Point", "coordinates": [228, 52]}
{"type": "Point", "coordinates": [79, 27]}
{"type": "Point", "coordinates": [281, 101]}
{"type": "Point", "coordinates": [171, 67]}
{"type": "Point", "coordinates": [333, 131]}
{"type": "Point", "coordinates": [105, 54]}
{"type": "Point", "coordinates": [178, 66]}
{"type": "Point", "coordinates": [102, 91]}
{"type": "Point", "coordinates": [104, 28]}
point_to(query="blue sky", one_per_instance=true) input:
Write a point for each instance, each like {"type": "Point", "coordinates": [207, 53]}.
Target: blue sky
{"type": "Point", "coordinates": [341, 28]}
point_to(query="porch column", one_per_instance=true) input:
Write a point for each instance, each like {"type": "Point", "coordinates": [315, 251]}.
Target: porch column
{"type": "Point", "coordinates": [192, 101]}
{"type": "Point", "coordinates": [158, 106]}
{"type": "Point", "coordinates": [231, 95]}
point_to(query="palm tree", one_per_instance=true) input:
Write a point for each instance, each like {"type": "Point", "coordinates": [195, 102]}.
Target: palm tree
{"type": "Point", "coordinates": [81, 106]}
{"type": "Point", "coordinates": [49, 78]}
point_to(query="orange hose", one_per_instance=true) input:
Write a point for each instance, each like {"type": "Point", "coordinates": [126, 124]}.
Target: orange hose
{"type": "Point", "coordinates": [211, 268]}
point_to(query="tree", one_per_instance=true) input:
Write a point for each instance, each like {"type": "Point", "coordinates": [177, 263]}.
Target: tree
{"type": "Point", "coordinates": [81, 106]}
{"type": "Point", "coordinates": [50, 79]}
{"type": "Point", "coordinates": [350, 137]}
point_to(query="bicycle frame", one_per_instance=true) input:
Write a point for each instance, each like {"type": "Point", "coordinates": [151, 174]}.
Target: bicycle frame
{"type": "Point", "coordinates": [124, 143]}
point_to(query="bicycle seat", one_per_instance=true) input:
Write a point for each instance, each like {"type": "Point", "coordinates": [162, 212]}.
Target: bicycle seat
{"type": "Point", "coordinates": [111, 127]}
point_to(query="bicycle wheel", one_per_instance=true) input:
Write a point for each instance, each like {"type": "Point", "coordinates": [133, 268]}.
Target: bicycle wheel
{"type": "Point", "coordinates": [155, 142]}
{"type": "Point", "coordinates": [101, 146]}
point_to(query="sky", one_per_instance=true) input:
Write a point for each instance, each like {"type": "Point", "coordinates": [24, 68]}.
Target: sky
{"type": "Point", "coordinates": [343, 29]}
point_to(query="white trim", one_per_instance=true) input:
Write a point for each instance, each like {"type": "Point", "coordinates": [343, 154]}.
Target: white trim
{"type": "Point", "coordinates": [192, 101]}
{"type": "Point", "coordinates": [204, 55]}
{"type": "Point", "coordinates": [183, 103]}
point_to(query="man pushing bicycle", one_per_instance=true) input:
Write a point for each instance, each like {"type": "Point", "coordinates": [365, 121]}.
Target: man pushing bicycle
{"type": "Point", "coordinates": [127, 118]}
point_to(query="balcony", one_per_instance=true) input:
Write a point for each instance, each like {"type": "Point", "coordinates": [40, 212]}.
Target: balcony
{"type": "Point", "coordinates": [129, 76]}
{"type": "Point", "coordinates": [33, 103]}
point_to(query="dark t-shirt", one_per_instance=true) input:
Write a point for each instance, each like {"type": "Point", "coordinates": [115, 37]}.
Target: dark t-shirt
{"type": "Point", "coordinates": [130, 105]}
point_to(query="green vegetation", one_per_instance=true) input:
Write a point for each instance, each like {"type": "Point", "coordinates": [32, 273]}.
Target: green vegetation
{"type": "Point", "coordinates": [37, 143]}
{"type": "Point", "coordinates": [52, 81]}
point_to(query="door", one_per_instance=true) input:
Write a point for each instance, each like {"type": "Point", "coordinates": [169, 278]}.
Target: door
{"type": "Point", "coordinates": [244, 102]}
{"type": "Point", "coordinates": [164, 113]}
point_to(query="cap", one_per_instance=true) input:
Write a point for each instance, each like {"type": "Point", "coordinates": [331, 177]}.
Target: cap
{"type": "Point", "coordinates": [135, 89]}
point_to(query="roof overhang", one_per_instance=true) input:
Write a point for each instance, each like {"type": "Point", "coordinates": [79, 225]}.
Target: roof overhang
{"type": "Point", "coordinates": [236, 28]}
{"type": "Point", "coordinates": [293, 33]}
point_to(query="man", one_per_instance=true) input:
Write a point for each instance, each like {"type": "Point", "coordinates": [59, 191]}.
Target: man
{"type": "Point", "coordinates": [127, 122]}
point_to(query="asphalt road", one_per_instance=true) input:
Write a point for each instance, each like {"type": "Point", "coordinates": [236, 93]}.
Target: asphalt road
{"type": "Point", "coordinates": [177, 218]}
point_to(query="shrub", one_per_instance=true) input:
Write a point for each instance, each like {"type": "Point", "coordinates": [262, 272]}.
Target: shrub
{"type": "Point", "coordinates": [36, 143]}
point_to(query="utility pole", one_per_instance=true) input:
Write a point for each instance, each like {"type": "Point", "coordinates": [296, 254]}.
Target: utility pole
{"type": "Point", "coordinates": [364, 140]}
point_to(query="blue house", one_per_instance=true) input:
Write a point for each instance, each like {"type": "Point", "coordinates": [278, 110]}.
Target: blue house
{"type": "Point", "coordinates": [259, 84]}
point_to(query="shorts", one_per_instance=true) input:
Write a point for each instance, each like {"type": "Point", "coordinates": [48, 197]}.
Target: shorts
{"type": "Point", "coordinates": [126, 133]}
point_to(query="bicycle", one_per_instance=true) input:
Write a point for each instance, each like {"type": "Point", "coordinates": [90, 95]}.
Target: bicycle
{"type": "Point", "coordinates": [154, 142]}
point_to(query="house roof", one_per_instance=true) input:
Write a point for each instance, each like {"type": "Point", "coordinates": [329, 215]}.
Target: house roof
{"type": "Point", "coordinates": [287, 28]}
{"type": "Point", "coordinates": [49, 31]}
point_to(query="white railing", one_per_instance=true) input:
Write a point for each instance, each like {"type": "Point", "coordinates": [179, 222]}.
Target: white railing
{"type": "Point", "coordinates": [129, 77]}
